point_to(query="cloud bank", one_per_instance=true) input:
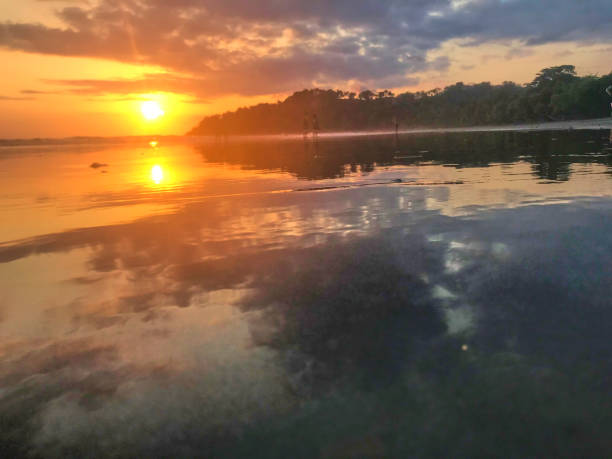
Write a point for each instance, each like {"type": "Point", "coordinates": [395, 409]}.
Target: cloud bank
{"type": "Point", "coordinates": [211, 48]}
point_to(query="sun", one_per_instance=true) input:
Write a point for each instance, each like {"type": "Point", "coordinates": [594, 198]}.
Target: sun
{"type": "Point", "coordinates": [151, 110]}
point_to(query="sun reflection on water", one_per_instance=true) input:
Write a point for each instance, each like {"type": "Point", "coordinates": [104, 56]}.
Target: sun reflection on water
{"type": "Point", "coordinates": [157, 174]}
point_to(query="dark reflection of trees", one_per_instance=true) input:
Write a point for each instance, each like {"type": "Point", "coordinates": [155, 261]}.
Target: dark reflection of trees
{"type": "Point", "coordinates": [552, 153]}
{"type": "Point", "coordinates": [306, 160]}
{"type": "Point", "coordinates": [551, 168]}
{"type": "Point", "coordinates": [357, 305]}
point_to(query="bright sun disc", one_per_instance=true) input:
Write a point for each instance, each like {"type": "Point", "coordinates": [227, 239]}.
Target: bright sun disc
{"type": "Point", "coordinates": [151, 110]}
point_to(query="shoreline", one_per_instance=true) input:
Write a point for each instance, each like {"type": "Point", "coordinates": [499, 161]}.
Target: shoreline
{"type": "Point", "coordinates": [588, 124]}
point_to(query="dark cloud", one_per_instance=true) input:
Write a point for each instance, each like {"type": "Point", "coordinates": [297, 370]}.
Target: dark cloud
{"type": "Point", "coordinates": [266, 75]}
{"type": "Point", "coordinates": [15, 98]}
{"type": "Point", "coordinates": [248, 48]}
{"type": "Point", "coordinates": [36, 92]}
{"type": "Point", "coordinates": [518, 52]}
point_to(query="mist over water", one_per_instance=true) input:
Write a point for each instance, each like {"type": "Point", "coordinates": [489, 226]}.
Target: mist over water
{"type": "Point", "coordinates": [365, 296]}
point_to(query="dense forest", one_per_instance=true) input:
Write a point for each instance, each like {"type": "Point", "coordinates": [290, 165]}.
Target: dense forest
{"type": "Point", "coordinates": [556, 93]}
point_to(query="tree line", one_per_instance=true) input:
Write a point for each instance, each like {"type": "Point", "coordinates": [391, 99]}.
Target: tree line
{"type": "Point", "coordinates": [556, 93]}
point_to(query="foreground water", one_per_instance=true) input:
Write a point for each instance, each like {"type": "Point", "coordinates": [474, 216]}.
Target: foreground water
{"type": "Point", "coordinates": [440, 295]}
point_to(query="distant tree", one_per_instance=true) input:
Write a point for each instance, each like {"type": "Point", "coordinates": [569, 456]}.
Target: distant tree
{"type": "Point", "coordinates": [366, 95]}
{"type": "Point", "coordinates": [552, 75]}
{"type": "Point", "coordinates": [384, 94]}
{"type": "Point", "coordinates": [555, 93]}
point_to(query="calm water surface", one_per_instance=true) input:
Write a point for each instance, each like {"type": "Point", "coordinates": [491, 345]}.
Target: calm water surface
{"type": "Point", "coordinates": [439, 295]}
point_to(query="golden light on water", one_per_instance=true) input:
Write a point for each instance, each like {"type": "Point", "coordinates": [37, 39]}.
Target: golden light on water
{"type": "Point", "coordinates": [157, 174]}
{"type": "Point", "coordinates": [151, 110]}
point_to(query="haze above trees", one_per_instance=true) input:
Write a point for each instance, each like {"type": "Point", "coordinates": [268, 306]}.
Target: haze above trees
{"type": "Point", "coordinates": [556, 93]}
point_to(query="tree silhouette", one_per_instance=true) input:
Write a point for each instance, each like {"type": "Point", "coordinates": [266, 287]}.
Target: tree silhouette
{"type": "Point", "coordinates": [555, 93]}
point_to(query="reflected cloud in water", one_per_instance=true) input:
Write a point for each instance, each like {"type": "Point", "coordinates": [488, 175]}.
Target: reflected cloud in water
{"type": "Point", "coordinates": [246, 316]}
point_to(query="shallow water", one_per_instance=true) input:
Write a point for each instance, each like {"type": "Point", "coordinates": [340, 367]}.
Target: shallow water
{"type": "Point", "coordinates": [430, 295]}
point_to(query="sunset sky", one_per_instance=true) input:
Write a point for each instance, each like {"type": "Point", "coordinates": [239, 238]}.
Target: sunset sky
{"type": "Point", "coordinates": [84, 67]}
